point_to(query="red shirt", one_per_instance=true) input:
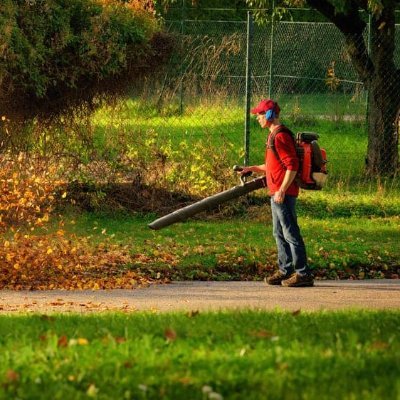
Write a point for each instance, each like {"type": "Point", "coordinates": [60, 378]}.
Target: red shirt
{"type": "Point", "coordinates": [275, 169]}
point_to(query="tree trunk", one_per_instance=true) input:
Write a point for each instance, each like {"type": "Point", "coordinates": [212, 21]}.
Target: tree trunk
{"type": "Point", "coordinates": [383, 136]}
{"type": "Point", "coordinates": [384, 98]}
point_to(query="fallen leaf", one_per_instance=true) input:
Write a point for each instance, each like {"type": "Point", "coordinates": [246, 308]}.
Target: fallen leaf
{"type": "Point", "coordinates": [170, 334]}
{"type": "Point", "coordinates": [92, 390]}
{"type": "Point", "coordinates": [62, 341]}
{"type": "Point", "coordinates": [262, 334]}
{"type": "Point", "coordinates": [12, 376]}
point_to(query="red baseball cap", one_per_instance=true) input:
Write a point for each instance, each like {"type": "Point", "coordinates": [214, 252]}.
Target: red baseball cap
{"type": "Point", "coordinates": [265, 105]}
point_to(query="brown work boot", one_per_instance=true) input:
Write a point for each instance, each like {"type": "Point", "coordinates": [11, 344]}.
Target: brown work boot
{"type": "Point", "coordinates": [277, 278]}
{"type": "Point", "coordinates": [297, 280]}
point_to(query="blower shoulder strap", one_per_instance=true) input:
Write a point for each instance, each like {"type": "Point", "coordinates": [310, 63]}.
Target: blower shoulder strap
{"type": "Point", "coordinates": [271, 140]}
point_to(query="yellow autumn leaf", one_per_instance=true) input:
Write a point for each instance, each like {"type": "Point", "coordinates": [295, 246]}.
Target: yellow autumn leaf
{"type": "Point", "coordinates": [82, 341]}
{"type": "Point", "coordinates": [64, 195]}
{"type": "Point", "coordinates": [92, 391]}
{"type": "Point", "coordinates": [49, 250]}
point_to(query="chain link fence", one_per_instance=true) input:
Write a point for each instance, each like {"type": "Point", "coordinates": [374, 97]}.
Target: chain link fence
{"type": "Point", "coordinates": [202, 95]}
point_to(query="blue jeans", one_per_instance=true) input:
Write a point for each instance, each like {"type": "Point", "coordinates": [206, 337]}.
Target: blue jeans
{"type": "Point", "coordinates": [291, 249]}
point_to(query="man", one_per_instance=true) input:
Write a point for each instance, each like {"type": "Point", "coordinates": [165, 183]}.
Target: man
{"type": "Point", "coordinates": [280, 167]}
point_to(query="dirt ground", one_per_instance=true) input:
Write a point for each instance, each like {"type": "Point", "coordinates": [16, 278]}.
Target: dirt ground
{"type": "Point", "coordinates": [208, 296]}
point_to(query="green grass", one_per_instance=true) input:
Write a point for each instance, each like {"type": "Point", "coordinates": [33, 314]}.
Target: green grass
{"type": "Point", "coordinates": [345, 234]}
{"type": "Point", "coordinates": [222, 126]}
{"type": "Point", "coordinates": [237, 355]}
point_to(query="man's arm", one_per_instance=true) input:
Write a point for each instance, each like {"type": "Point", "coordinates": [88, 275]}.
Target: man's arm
{"type": "Point", "coordinates": [287, 180]}
{"type": "Point", "coordinates": [287, 153]}
{"type": "Point", "coordinates": [254, 168]}
{"type": "Point", "coordinates": [279, 196]}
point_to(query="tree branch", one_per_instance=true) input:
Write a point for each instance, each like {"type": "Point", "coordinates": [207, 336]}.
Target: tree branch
{"type": "Point", "coordinates": [348, 21]}
{"type": "Point", "coordinates": [363, 4]}
{"type": "Point", "coordinates": [352, 26]}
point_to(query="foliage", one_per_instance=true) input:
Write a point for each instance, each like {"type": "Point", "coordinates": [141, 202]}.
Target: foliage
{"type": "Point", "coordinates": [221, 10]}
{"type": "Point", "coordinates": [27, 191]}
{"type": "Point", "coordinates": [58, 54]}
{"type": "Point", "coordinates": [341, 6]}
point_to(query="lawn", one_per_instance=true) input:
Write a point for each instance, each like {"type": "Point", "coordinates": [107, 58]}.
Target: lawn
{"type": "Point", "coordinates": [226, 355]}
{"type": "Point", "coordinates": [347, 235]}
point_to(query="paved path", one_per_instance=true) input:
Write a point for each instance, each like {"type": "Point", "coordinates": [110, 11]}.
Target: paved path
{"type": "Point", "coordinates": [193, 296]}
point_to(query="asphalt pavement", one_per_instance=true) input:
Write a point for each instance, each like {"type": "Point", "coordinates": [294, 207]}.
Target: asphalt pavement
{"type": "Point", "coordinates": [210, 296]}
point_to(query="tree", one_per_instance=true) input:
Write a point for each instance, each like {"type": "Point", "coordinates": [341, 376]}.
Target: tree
{"type": "Point", "coordinates": [376, 68]}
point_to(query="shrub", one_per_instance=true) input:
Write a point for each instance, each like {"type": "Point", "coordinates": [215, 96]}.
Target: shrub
{"type": "Point", "coordinates": [58, 54]}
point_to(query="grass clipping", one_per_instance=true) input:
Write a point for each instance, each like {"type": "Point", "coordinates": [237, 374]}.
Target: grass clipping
{"type": "Point", "coordinates": [51, 259]}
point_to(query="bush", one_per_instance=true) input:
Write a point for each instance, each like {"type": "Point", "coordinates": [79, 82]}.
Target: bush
{"type": "Point", "coordinates": [58, 54]}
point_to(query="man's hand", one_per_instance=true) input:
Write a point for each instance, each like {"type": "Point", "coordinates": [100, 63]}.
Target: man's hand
{"type": "Point", "coordinates": [258, 169]}
{"type": "Point", "coordinates": [279, 197]}
{"type": "Point", "coordinates": [245, 170]}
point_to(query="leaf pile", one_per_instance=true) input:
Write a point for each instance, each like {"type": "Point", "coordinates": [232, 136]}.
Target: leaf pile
{"type": "Point", "coordinates": [30, 260]}
{"type": "Point", "coordinates": [53, 261]}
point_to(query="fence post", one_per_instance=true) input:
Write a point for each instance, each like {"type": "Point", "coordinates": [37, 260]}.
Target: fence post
{"type": "Point", "coordinates": [183, 16]}
{"type": "Point", "coordinates": [250, 30]}
{"type": "Point", "coordinates": [271, 50]}
{"type": "Point", "coordinates": [369, 54]}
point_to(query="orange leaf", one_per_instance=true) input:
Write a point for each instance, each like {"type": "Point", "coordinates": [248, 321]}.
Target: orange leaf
{"type": "Point", "coordinates": [62, 341]}
{"type": "Point", "coordinates": [170, 334]}
{"type": "Point", "coordinates": [12, 376]}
